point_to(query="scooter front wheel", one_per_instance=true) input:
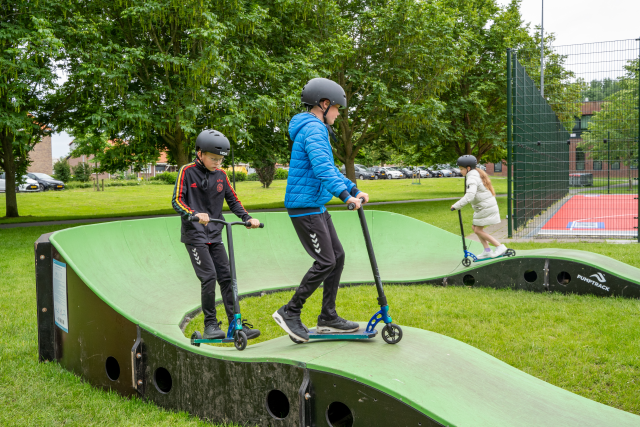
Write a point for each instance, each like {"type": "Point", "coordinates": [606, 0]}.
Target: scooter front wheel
{"type": "Point", "coordinates": [466, 262]}
{"type": "Point", "coordinates": [510, 252]}
{"type": "Point", "coordinates": [391, 333]}
{"type": "Point", "coordinates": [196, 336]}
{"type": "Point", "coordinates": [240, 340]}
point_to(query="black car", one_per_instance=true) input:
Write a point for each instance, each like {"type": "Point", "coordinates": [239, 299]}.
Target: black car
{"type": "Point", "coordinates": [45, 181]}
{"type": "Point", "coordinates": [380, 172]}
{"type": "Point", "coordinates": [434, 173]}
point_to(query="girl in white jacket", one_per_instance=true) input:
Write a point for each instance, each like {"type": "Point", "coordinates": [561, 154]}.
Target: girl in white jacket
{"type": "Point", "coordinates": [480, 193]}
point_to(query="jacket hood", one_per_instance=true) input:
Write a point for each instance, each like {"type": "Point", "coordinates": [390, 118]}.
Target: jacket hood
{"type": "Point", "coordinates": [299, 121]}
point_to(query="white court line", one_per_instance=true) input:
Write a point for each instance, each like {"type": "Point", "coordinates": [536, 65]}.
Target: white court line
{"type": "Point", "coordinates": [597, 217]}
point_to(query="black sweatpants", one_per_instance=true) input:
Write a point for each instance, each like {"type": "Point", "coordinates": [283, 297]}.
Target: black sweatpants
{"type": "Point", "coordinates": [211, 263]}
{"type": "Point", "coordinates": [319, 238]}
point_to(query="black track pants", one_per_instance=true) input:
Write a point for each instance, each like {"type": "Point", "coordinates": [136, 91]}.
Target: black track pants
{"type": "Point", "coordinates": [210, 263]}
{"type": "Point", "coordinates": [319, 238]}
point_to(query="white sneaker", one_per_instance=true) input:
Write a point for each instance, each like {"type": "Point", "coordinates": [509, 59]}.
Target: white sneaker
{"type": "Point", "coordinates": [485, 255]}
{"type": "Point", "coordinates": [500, 250]}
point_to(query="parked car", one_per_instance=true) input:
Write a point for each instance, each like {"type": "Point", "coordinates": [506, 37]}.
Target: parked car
{"type": "Point", "coordinates": [367, 174]}
{"type": "Point", "coordinates": [381, 173]}
{"type": "Point", "coordinates": [45, 182]}
{"type": "Point", "coordinates": [3, 185]}
{"type": "Point", "coordinates": [28, 185]}
{"type": "Point", "coordinates": [393, 173]}
{"type": "Point", "coordinates": [433, 172]}
{"type": "Point", "coordinates": [424, 172]}
{"type": "Point", "coordinates": [360, 171]}
{"type": "Point", "coordinates": [408, 173]}
{"type": "Point", "coordinates": [456, 171]}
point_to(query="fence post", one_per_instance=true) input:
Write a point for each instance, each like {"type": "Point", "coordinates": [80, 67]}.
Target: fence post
{"type": "Point", "coordinates": [638, 169]}
{"type": "Point", "coordinates": [509, 219]}
{"type": "Point", "coordinates": [233, 170]}
{"type": "Point", "coordinates": [102, 184]}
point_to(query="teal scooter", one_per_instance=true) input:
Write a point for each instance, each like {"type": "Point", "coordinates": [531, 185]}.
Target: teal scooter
{"type": "Point", "coordinates": [235, 334]}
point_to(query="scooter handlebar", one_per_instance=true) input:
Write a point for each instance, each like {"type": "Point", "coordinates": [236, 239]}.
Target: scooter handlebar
{"type": "Point", "coordinates": [194, 218]}
{"type": "Point", "coordinates": [352, 206]}
{"type": "Point", "coordinates": [453, 209]}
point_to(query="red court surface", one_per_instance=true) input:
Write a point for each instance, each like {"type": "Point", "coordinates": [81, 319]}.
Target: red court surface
{"type": "Point", "coordinates": [595, 215]}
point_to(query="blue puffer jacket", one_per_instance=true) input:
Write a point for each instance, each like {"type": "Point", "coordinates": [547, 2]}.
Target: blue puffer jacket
{"type": "Point", "coordinates": [313, 177]}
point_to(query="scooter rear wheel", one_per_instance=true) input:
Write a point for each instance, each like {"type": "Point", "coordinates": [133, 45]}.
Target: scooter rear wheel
{"type": "Point", "coordinates": [196, 336]}
{"type": "Point", "coordinates": [240, 340]}
{"type": "Point", "coordinates": [391, 333]}
{"type": "Point", "coordinates": [510, 252]}
{"type": "Point", "coordinates": [466, 262]}
{"type": "Point", "coordinates": [295, 340]}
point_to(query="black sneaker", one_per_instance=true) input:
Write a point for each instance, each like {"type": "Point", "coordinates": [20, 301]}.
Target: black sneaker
{"type": "Point", "coordinates": [338, 325]}
{"type": "Point", "coordinates": [213, 332]}
{"type": "Point", "coordinates": [291, 323]}
{"type": "Point", "coordinates": [247, 328]}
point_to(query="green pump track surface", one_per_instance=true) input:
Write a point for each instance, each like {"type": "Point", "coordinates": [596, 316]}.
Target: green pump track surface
{"type": "Point", "coordinates": [141, 270]}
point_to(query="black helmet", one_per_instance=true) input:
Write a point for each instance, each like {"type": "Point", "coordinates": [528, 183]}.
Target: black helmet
{"type": "Point", "coordinates": [319, 88]}
{"type": "Point", "coordinates": [467, 160]}
{"type": "Point", "coordinates": [212, 141]}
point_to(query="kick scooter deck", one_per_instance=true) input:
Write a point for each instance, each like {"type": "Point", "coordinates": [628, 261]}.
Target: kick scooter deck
{"type": "Point", "coordinates": [235, 334]}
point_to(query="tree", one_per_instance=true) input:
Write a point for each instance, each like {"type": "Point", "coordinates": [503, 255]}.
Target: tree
{"type": "Point", "coordinates": [617, 123]}
{"type": "Point", "coordinates": [158, 72]}
{"type": "Point", "coordinates": [62, 170]}
{"type": "Point", "coordinates": [82, 172]}
{"type": "Point", "coordinates": [28, 51]}
{"type": "Point", "coordinates": [393, 58]}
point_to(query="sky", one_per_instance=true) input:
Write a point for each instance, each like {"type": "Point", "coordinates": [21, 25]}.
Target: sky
{"type": "Point", "coordinates": [572, 21]}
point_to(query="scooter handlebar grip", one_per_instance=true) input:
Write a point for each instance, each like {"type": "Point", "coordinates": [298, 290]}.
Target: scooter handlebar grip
{"type": "Point", "coordinates": [453, 209]}
{"type": "Point", "coordinates": [352, 206]}
{"type": "Point", "coordinates": [193, 218]}
{"type": "Point", "coordinates": [248, 224]}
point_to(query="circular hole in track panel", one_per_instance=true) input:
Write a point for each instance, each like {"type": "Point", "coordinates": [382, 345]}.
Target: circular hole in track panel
{"type": "Point", "coordinates": [162, 380]}
{"type": "Point", "coordinates": [339, 415]}
{"type": "Point", "coordinates": [468, 280]}
{"type": "Point", "coordinates": [113, 368]}
{"type": "Point", "coordinates": [564, 278]}
{"type": "Point", "coordinates": [277, 404]}
{"type": "Point", "coordinates": [530, 276]}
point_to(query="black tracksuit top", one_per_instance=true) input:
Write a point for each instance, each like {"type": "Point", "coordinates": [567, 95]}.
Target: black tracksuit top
{"type": "Point", "coordinates": [190, 198]}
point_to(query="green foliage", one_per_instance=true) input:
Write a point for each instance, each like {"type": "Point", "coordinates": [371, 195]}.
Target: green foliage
{"type": "Point", "coordinates": [599, 90]}
{"type": "Point", "coordinates": [62, 170]}
{"type": "Point", "coordinates": [281, 174]}
{"type": "Point", "coordinates": [240, 176]}
{"type": "Point", "coordinates": [166, 177]}
{"type": "Point", "coordinates": [82, 172]}
{"type": "Point", "coordinates": [29, 49]}
{"type": "Point", "coordinates": [253, 177]}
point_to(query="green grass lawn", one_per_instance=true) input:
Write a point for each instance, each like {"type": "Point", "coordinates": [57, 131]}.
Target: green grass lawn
{"type": "Point", "coordinates": [156, 199]}
{"type": "Point", "coordinates": [584, 344]}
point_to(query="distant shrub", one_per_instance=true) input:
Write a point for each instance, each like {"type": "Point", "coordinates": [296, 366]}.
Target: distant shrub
{"type": "Point", "coordinates": [281, 174]}
{"type": "Point", "coordinates": [166, 177]}
{"type": "Point", "coordinates": [253, 177]}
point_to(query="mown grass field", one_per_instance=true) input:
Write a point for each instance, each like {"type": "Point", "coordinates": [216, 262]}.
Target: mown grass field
{"type": "Point", "coordinates": [156, 199]}
{"type": "Point", "coordinates": [583, 344]}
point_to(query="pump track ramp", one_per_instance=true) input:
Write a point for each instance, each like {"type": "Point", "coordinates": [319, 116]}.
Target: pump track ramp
{"type": "Point", "coordinates": [130, 286]}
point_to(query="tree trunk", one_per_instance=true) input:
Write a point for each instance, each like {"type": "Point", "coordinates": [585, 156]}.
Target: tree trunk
{"type": "Point", "coordinates": [266, 170]}
{"type": "Point", "coordinates": [9, 164]}
{"type": "Point", "coordinates": [350, 168]}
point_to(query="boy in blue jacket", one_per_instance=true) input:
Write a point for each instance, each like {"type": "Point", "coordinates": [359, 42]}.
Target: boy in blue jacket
{"type": "Point", "coordinates": [314, 180]}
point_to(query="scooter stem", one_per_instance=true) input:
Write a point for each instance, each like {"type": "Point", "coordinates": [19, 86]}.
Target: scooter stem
{"type": "Point", "coordinates": [464, 242]}
{"type": "Point", "coordinates": [382, 299]}
{"type": "Point", "coordinates": [232, 268]}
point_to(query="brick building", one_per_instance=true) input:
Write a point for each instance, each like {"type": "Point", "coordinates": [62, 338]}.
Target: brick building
{"type": "Point", "coordinates": [41, 157]}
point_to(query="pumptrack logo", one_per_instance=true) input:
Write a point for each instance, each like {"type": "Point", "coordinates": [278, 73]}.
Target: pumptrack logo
{"type": "Point", "coordinates": [597, 283]}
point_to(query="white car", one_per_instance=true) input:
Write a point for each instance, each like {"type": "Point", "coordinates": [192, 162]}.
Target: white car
{"type": "Point", "coordinates": [2, 183]}
{"type": "Point", "coordinates": [423, 173]}
{"type": "Point", "coordinates": [393, 174]}
{"type": "Point", "coordinates": [30, 185]}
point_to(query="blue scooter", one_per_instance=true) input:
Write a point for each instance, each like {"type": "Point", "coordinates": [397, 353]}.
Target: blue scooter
{"type": "Point", "coordinates": [466, 261]}
{"type": "Point", "coordinates": [391, 333]}
{"type": "Point", "coordinates": [235, 334]}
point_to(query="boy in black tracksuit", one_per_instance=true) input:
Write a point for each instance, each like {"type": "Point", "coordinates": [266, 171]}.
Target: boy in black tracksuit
{"type": "Point", "coordinates": [199, 192]}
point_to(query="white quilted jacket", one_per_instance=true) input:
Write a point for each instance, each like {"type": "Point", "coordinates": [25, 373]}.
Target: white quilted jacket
{"type": "Point", "coordinates": [484, 204]}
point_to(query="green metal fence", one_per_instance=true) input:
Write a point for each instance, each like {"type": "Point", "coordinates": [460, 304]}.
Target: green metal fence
{"type": "Point", "coordinates": [573, 145]}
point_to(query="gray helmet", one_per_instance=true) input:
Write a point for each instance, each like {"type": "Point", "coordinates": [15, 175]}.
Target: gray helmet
{"type": "Point", "coordinates": [213, 141]}
{"type": "Point", "coordinates": [319, 88]}
{"type": "Point", "coordinates": [467, 160]}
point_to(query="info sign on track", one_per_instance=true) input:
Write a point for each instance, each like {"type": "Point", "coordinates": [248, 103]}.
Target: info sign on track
{"type": "Point", "coordinates": [60, 295]}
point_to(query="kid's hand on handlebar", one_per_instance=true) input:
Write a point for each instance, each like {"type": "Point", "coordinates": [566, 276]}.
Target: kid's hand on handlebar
{"type": "Point", "coordinates": [354, 203]}
{"type": "Point", "coordinates": [253, 223]}
{"type": "Point", "coordinates": [452, 208]}
{"type": "Point", "coordinates": [203, 218]}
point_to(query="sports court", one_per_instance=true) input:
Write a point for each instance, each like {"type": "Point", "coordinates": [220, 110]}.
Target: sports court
{"type": "Point", "coordinates": [595, 215]}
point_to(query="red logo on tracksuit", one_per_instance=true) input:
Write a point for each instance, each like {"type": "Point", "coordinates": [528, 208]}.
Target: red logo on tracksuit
{"type": "Point", "coordinates": [194, 185]}
{"type": "Point", "coordinates": [220, 186]}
